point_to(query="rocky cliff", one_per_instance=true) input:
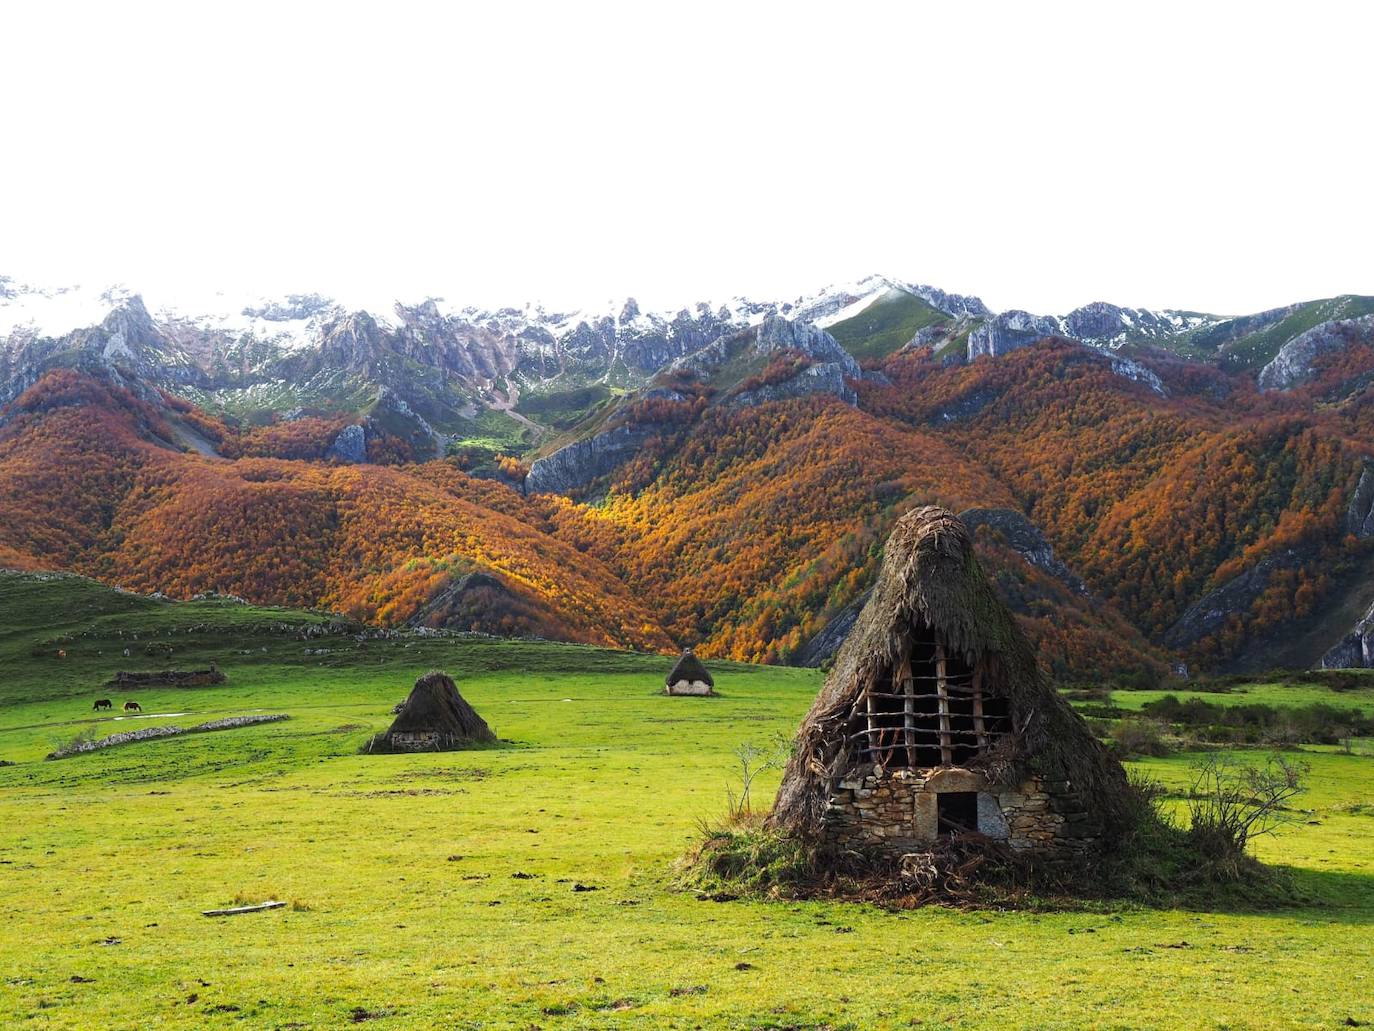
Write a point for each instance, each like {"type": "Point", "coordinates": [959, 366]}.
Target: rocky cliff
{"type": "Point", "coordinates": [582, 462]}
{"type": "Point", "coordinates": [1356, 649]}
{"type": "Point", "coordinates": [1209, 613]}
{"type": "Point", "coordinates": [1008, 331]}
{"type": "Point", "coordinates": [1025, 538]}
{"type": "Point", "coordinates": [1295, 363]}
{"type": "Point", "coordinates": [827, 642]}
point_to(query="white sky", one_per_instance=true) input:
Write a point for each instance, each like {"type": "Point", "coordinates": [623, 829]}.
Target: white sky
{"type": "Point", "coordinates": [1200, 155]}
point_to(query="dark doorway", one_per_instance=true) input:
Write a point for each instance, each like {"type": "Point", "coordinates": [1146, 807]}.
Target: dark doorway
{"type": "Point", "coordinates": [956, 811]}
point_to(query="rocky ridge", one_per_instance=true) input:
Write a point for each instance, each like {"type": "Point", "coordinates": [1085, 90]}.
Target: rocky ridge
{"type": "Point", "coordinates": [1294, 364]}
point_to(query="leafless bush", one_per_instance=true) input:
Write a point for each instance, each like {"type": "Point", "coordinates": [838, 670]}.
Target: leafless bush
{"type": "Point", "coordinates": [753, 760]}
{"type": "Point", "coordinates": [1232, 802]}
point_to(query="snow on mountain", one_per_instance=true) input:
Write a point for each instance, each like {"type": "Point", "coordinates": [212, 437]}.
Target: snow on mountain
{"type": "Point", "coordinates": [841, 301]}
{"type": "Point", "coordinates": [442, 356]}
{"type": "Point", "coordinates": [53, 312]}
{"type": "Point", "coordinates": [295, 321]}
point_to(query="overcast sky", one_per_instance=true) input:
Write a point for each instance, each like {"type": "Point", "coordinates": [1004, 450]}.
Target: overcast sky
{"type": "Point", "coordinates": [1198, 155]}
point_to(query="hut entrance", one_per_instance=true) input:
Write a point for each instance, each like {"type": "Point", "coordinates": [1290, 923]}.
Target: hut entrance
{"type": "Point", "coordinates": [930, 710]}
{"type": "Point", "coordinates": [956, 811]}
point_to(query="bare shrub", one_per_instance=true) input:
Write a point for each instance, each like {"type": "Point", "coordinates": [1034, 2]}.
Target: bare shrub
{"type": "Point", "coordinates": [1232, 802]}
{"type": "Point", "coordinates": [753, 760]}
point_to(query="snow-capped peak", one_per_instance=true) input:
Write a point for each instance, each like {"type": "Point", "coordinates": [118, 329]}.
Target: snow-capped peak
{"type": "Point", "coordinates": [54, 312]}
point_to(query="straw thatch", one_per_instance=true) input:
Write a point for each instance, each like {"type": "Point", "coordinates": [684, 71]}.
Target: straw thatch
{"type": "Point", "coordinates": [930, 575]}
{"type": "Point", "coordinates": [434, 717]}
{"type": "Point", "coordinates": [690, 669]}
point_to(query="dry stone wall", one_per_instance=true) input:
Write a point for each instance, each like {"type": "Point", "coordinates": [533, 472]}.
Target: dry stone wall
{"type": "Point", "coordinates": [896, 811]}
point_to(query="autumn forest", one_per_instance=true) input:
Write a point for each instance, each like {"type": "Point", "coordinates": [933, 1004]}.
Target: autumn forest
{"type": "Point", "coordinates": [743, 530]}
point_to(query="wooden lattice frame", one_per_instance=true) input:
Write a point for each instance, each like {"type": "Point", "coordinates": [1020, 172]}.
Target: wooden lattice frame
{"type": "Point", "coordinates": [880, 743]}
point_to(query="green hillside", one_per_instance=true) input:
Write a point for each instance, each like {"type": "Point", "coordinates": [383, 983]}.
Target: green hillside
{"type": "Point", "coordinates": [886, 325]}
{"type": "Point", "coordinates": [1255, 349]}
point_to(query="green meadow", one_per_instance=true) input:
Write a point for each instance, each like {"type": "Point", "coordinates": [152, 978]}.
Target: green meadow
{"type": "Point", "coordinates": [532, 885]}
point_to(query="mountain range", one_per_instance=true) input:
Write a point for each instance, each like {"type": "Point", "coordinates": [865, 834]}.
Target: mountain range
{"type": "Point", "coordinates": [1149, 487]}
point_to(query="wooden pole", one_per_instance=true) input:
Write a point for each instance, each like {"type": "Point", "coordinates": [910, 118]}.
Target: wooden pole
{"type": "Point", "coordinates": [946, 752]}
{"type": "Point", "coordinates": [908, 711]}
{"type": "Point", "coordinates": [872, 723]}
{"type": "Point", "coordinates": [979, 728]}
{"type": "Point", "coordinates": [236, 910]}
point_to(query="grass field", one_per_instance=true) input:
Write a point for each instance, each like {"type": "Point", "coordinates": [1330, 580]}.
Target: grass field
{"type": "Point", "coordinates": [405, 908]}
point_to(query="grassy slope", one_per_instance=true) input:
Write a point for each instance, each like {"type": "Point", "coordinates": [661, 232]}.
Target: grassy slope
{"type": "Point", "coordinates": [494, 431]}
{"type": "Point", "coordinates": [1254, 350]}
{"type": "Point", "coordinates": [563, 409]}
{"type": "Point", "coordinates": [402, 864]}
{"type": "Point", "coordinates": [886, 325]}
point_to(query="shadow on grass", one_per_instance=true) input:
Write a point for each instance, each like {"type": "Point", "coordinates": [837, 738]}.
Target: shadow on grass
{"type": "Point", "coordinates": [748, 860]}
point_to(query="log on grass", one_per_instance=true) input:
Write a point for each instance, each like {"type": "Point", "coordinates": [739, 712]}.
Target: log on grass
{"type": "Point", "coordinates": [236, 910]}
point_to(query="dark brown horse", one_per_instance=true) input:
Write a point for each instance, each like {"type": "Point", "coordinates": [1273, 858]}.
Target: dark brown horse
{"type": "Point", "coordinates": [132, 707]}
{"type": "Point", "coordinates": [103, 703]}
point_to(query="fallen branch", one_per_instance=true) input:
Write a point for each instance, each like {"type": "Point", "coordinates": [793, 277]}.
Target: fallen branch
{"type": "Point", "coordinates": [236, 910]}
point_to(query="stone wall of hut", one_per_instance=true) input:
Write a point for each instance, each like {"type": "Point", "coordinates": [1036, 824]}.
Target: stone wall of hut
{"type": "Point", "coordinates": [689, 687]}
{"type": "Point", "coordinates": [415, 741]}
{"type": "Point", "coordinates": [895, 812]}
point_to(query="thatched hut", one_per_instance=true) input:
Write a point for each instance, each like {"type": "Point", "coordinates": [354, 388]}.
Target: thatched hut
{"type": "Point", "coordinates": [936, 721]}
{"type": "Point", "coordinates": [434, 718]}
{"type": "Point", "coordinates": [689, 676]}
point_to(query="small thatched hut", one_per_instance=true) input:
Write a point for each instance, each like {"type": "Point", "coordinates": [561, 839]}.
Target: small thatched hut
{"type": "Point", "coordinates": [689, 676]}
{"type": "Point", "coordinates": [937, 721]}
{"type": "Point", "coordinates": [434, 718]}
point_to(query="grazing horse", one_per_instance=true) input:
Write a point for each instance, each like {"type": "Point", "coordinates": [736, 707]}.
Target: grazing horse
{"type": "Point", "coordinates": [132, 707]}
{"type": "Point", "coordinates": [103, 703]}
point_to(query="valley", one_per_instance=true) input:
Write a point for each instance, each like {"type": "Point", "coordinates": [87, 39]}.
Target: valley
{"type": "Point", "coordinates": [533, 884]}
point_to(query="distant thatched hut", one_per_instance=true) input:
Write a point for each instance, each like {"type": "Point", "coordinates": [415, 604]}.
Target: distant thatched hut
{"type": "Point", "coordinates": [689, 676]}
{"type": "Point", "coordinates": [434, 718]}
{"type": "Point", "coordinates": [937, 721]}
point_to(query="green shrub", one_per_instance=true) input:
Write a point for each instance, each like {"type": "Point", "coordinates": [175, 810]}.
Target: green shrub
{"type": "Point", "coordinates": [1131, 738]}
{"type": "Point", "coordinates": [1317, 723]}
{"type": "Point", "coordinates": [748, 858]}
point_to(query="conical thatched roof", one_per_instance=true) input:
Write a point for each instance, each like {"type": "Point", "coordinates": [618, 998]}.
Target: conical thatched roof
{"type": "Point", "coordinates": [435, 710]}
{"type": "Point", "coordinates": [930, 575]}
{"type": "Point", "coordinates": [689, 668]}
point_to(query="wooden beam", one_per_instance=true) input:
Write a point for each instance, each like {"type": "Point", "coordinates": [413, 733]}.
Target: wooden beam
{"type": "Point", "coordinates": [236, 910]}
{"type": "Point", "coordinates": [978, 726]}
{"type": "Point", "coordinates": [916, 732]}
{"type": "Point", "coordinates": [914, 694]}
{"type": "Point", "coordinates": [946, 752]}
{"type": "Point", "coordinates": [908, 710]}
{"type": "Point", "coordinates": [872, 709]}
